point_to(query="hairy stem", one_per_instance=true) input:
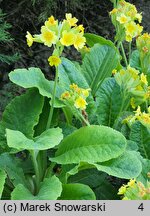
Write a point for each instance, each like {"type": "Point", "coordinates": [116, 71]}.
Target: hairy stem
{"type": "Point", "coordinates": [124, 55]}
{"type": "Point", "coordinates": [53, 100]}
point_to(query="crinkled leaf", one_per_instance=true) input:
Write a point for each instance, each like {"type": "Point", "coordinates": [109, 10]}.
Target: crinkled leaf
{"type": "Point", "coordinates": [108, 107]}
{"type": "Point", "coordinates": [69, 73]}
{"type": "Point", "coordinates": [50, 189]}
{"type": "Point", "coordinates": [98, 64]}
{"type": "Point", "coordinates": [33, 77]}
{"type": "Point", "coordinates": [48, 139]}
{"type": "Point", "coordinates": [77, 192]}
{"type": "Point", "coordinates": [23, 113]}
{"type": "Point", "coordinates": [126, 166]}
{"type": "Point", "coordinates": [92, 39]}
{"type": "Point", "coordinates": [12, 168]}
{"type": "Point", "coordinates": [141, 135]}
{"type": "Point", "coordinates": [90, 144]}
{"type": "Point", "coordinates": [143, 177]}
{"type": "Point", "coordinates": [135, 60]}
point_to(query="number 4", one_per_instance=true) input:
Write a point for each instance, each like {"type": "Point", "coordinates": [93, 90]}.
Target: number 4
{"type": "Point", "coordinates": [141, 207]}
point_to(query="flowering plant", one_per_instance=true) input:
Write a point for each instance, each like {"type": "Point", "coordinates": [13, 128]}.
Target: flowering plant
{"type": "Point", "coordinates": [61, 139]}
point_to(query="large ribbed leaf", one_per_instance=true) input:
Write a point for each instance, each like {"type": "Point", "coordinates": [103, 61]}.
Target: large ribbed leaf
{"type": "Point", "coordinates": [23, 113]}
{"type": "Point", "coordinates": [33, 77]}
{"type": "Point", "coordinates": [12, 167]}
{"type": "Point", "coordinates": [50, 189]}
{"type": "Point", "coordinates": [126, 166]}
{"type": "Point", "coordinates": [90, 144]}
{"type": "Point", "coordinates": [141, 135]}
{"type": "Point", "coordinates": [48, 139]}
{"type": "Point", "coordinates": [77, 192]}
{"type": "Point", "coordinates": [108, 107]}
{"type": "Point", "coordinates": [69, 73]}
{"type": "Point", "coordinates": [98, 64]}
{"type": "Point", "coordinates": [92, 39]}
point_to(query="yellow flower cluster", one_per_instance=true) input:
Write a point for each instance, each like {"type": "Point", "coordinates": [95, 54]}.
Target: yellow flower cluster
{"type": "Point", "coordinates": [125, 18]}
{"type": "Point", "coordinates": [65, 33]}
{"type": "Point", "coordinates": [143, 117]}
{"type": "Point", "coordinates": [76, 96]}
{"type": "Point", "coordinates": [133, 83]}
{"type": "Point", "coordinates": [123, 189]}
{"type": "Point", "coordinates": [135, 190]}
{"type": "Point", "coordinates": [143, 43]}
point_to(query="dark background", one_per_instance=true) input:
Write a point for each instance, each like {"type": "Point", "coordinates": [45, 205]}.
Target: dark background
{"type": "Point", "coordinates": [29, 15]}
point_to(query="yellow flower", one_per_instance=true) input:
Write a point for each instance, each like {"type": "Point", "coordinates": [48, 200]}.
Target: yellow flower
{"type": "Point", "coordinates": [81, 28]}
{"type": "Point", "coordinates": [80, 103]}
{"type": "Point", "coordinates": [114, 71]}
{"type": "Point", "coordinates": [85, 92]}
{"type": "Point", "coordinates": [68, 38]}
{"type": "Point", "coordinates": [132, 102]}
{"type": "Point", "coordinates": [74, 86]}
{"type": "Point", "coordinates": [144, 79]}
{"type": "Point", "coordinates": [131, 183]}
{"type": "Point", "coordinates": [48, 37]}
{"type": "Point", "coordinates": [138, 16]}
{"type": "Point", "coordinates": [54, 60]}
{"type": "Point", "coordinates": [65, 95]}
{"type": "Point", "coordinates": [122, 190]}
{"type": "Point", "coordinates": [79, 41]}
{"type": "Point", "coordinates": [71, 20]}
{"type": "Point", "coordinates": [30, 39]}
{"type": "Point", "coordinates": [113, 11]}
{"type": "Point", "coordinates": [145, 118]}
{"type": "Point", "coordinates": [128, 38]}
{"type": "Point", "coordinates": [131, 28]}
{"type": "Point", "coordinates": [139, 29]}
{"type": "Point", "coordinates": [138, 111]}
{"type": "Point", "coordinates": [123, 19]}
{"type": "Point", "coordinates": [52, 21]}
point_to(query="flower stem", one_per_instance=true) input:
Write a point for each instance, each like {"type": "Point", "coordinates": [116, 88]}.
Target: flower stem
{"type": "Point", "coordinates": [53, 100]}
{"type": "Point", "coordinates": [130, 50]}
{"type": "Point", "coordinates": [84, 120]}
{"type": "Point", "coordinates": [36, 169]}
{"type": "Point", "coordinates": [124, 55]}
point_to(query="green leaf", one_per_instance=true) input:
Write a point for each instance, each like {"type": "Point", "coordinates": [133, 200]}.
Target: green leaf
{"type": "Point", "coordinates": [3, 176]}
{"type": "Point", "coordinates": [90, 144]}
{"type": "Point", "coordinates": [33, 77]}
{"type": "Point", "coordinates": [23, 113]}
{"type": "Point", "coordinates": [69, 73]}
{"type": "Point", "coordinates": [48, 139]}
{"type": "Point", "coordinates": [50, 189]}
{"type": "Point", "coordinates": [98, 64]}
{"type": "Point", "coordinates": [143, 177]}
{"type": "Point", "coordinates": [91, 177]}
{"type": "Point", "coordinates": [106, 191]}
{"type": "Point", "coordinates": [126, 166]}
{"type": "Point", "coordinates": [12, 168]}
{"type": "Point", "coordinates": [135, 60]}
{"type": "Point", "coordinates": [108, 107]}
{"type": "Point", "coordinates": [92, 39]}
{"type": "Point", "coordinates": [141, 135]}
{"type": "Point", "coordinates": [77, 192]}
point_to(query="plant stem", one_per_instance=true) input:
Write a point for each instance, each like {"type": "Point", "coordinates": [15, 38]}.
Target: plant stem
{"type": "Point", "coordinates": [124, 55]}
{"type": "Point", "coordinates": [130, 49]}
{"type": "Point", "coordinates": [36, 169]}
{"type": "Point", "coordinates": [53, 100]}
{"type": "Point", "coordinates": [84, 120]}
